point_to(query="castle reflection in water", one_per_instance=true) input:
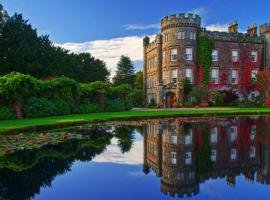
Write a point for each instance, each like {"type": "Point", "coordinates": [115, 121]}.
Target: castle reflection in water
{"type": "Point", "coordinates": [185, 155]}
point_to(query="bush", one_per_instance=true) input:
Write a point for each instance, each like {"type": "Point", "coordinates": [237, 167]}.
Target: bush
{"type": "Point", "coordinates": [86, 108]}
{"type": "Point", "coordinates": [199, 94]}
{"type": "Point", "coordinates": [6, 113]}
{"type": "Point", "coordinates": [152, 104]}
{"type": "Point", "coordinates": [114, 105]}
{"type": "Point", "coordinates": [217, 99]}
{"type": "Point", "coordinates": [188, 104]}
{"type": "Point", "coordinates": [41, 107]}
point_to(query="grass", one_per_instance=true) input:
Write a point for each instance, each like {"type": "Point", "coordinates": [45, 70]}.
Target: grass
{"type": "Point", "coordinates": [61, 121]}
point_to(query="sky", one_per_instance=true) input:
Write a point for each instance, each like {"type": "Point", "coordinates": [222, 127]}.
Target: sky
{"type": "Point", "coordinates": [111, 28]}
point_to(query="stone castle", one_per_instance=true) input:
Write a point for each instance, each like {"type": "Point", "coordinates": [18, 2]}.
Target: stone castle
{"type": "Point", "coordinates": [171, 57]}
{"type": "Point", "coordinates": [238, 147]}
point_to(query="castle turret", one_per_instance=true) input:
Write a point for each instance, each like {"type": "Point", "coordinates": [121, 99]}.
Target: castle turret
{"type": "Point", "coordinates": [265, 32]}
{"type": "Point", "coordinates": [146, 42]}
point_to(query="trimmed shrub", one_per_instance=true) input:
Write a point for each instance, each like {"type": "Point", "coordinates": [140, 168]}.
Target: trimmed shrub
{"type": "Point", "coordinates": [41, 107]}
{"type": "Point", "coordinates": [217, 99]}
{"type": "Point", "coordinates": [86, 108]}
{"type": "Point", "coordinates": [6, 113]}
{"type": "Point", "coordinates": [152, 104]}
{"type": "Point", "coordinates": [114, 105]}
{"type": "Point", "coordinates": [199, 94]}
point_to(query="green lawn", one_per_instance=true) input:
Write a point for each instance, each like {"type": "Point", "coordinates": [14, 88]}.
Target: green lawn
{"type": "Point", "coordinates": [30, 124]}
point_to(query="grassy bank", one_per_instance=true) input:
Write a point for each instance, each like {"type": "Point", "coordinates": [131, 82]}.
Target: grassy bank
{"type": "Point", "coordinates": [59, 121]}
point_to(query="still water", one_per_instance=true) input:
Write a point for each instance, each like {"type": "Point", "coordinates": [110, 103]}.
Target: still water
{"type": "Point", "coordinates": [186, 158]}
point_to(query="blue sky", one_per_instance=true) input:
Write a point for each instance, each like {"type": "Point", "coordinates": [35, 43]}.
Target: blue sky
{"type": "Point", "coordinates": [107, 28]}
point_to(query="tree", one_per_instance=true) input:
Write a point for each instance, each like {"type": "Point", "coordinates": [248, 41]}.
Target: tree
{"type": "Point", "coordinates": [22, 50]}
{"type": "Point", "coordinates": [263, 83]}
{"type": "Point", "coordinates": [125, 73]}
{"type": "Point", "coordinates": [138, 94]}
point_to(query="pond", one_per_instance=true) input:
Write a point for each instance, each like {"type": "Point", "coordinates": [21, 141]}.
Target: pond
{"type": "Point", "coordinates": [186, 158]}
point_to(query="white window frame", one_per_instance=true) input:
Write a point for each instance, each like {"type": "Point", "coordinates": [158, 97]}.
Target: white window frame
{"type": "Point", "coordinates": [213, 136]}
{"type": "Point", "coordinates": [215, 55]}
{"type": "Point", "coordinates": [215, 76]}
{"type": "Point", "coordinates": [181, 35]}
{"type": "Point", "coordinates": [173, 158]}
{"type": "Point", "coordinates": [235, 55]}
{"type": "Point", "coordinates": [253, 132]}
{"type": "Point", "coordinates": [233, 154]}
{"type": "Point", "coordinates": [189, 54]}
{"type": "Point", "coordinates": [189, 74]}
{"type": "Point", "coordinates": [234, 76]}
{"type": "Point", "coordinates": [254, 56]}
{"type": "Point", "coordinates": [252, 152]}
{"type": "Point", "coordinates": [213, 155]}
{"type": "Point", "coordinates": [173, 76]}
{"type": "Point", "coordinates": [188, 137]}
{"type": "Point", "coordinates": [254, 73]}
{"type": "Point", "coordinates": [174, 54]}
{"type": "Point", "coordinates": [188, 158]}
{"type": "Point", "coordinates": [233, 133]}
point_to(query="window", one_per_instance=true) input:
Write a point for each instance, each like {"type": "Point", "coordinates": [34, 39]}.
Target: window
{"type": "Point", "coordinates": [188, 55]}
{"type": "Point", "coordinates": [252, 152]}
{"type": "Point", "coordinates": [174, 76]}
{"type": "Point", "coordinates": [188, 74]}
{"type": "Point", "coordinates": [188, 137]}
{"type": "Point", "coordinates": [181, 35]}
{"type": "Point", "coordinates": [214, 76]}
{"type": "Point", "coordinates": [173, 158]}
{"type": "Point", "coordinates": [233, 134]}
{"type": "Point", "coordinates": [254, 56]}
{"type": "Point", "coordinates": [213, 135]}
{"type": "Point", "coordinates": [181, 176]}
{"type": "Point", "coordinates": [233, 154]}
{"type": "Point", "coordinates": [215, 56]}
{"type": "Point", "coordinates": [253, 132]}
{"type": "Point", "coordinates": [234, 56]}
{"type": "Point", "coordinates": [213, 155]}
{"type": "Point", "coordinates": [188, 158]}
{"type": "Point", "coordinates": [254, 73]}
{"type": "Point", "coordinates": [173, 136]}
{"type": "Point", "coordinates": [173, 54]}
{"type": "Point", "coordinates": [234, 77]}
{"type": "Point", "coordinates": [253, 95]}
{"type": "Point", "coordinates": [192, 35]}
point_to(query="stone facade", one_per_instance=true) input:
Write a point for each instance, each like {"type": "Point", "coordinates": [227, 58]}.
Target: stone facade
{"type": "Point", "coordinates": [238, 146]}
{"type": "Point", "coordinates": [172, 56]}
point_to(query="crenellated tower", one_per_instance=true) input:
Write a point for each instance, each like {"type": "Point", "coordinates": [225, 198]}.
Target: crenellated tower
{"type": "Point", "coordinates": [265, 32]}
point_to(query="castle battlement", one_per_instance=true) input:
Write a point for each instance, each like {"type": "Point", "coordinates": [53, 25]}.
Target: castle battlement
{"type": "Point", "coordinates": [181, 20]}
{"type": "Point", "coordinates": [265, 28]}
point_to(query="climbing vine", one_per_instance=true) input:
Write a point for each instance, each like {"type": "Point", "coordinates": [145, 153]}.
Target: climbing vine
{"type": "Point", "coordinates": [204, 57]}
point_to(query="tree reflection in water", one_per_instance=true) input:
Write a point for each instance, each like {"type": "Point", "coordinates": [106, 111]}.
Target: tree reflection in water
{"type": "Point", "coordinates": [183, 152]}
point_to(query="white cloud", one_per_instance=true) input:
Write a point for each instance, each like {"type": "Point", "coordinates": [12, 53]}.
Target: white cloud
{"type": "Point", "coordinates": [141, 26]}
{"type": "Point", "coordinates": [217, 27]}
{"type": "Point", "coordinates": [113, 154]}
{"type": "Point", "coordinates": [110, 50]}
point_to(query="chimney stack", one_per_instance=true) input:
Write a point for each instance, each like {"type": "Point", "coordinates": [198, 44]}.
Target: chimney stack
{"type": "Point", "coordinates": [252, 30]}
{"type": "Point", "coordinates": [233, 27]}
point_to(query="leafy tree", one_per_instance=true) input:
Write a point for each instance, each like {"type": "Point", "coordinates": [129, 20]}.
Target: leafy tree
{"type": "Point", "coordinates": [125, 136]}
{"type": "Point", "coordinates": [199, 93]}
{"type": "Point", "coordinates": [263, 83]}
{"type": "Point", "coordinates": [187, 86]}
{"type": "Point", "coordinates": [125, 73]}
{"type": "Point", "coordinates": [22, 50]}
{"type": "Point", "coordinates": [139, 80]}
